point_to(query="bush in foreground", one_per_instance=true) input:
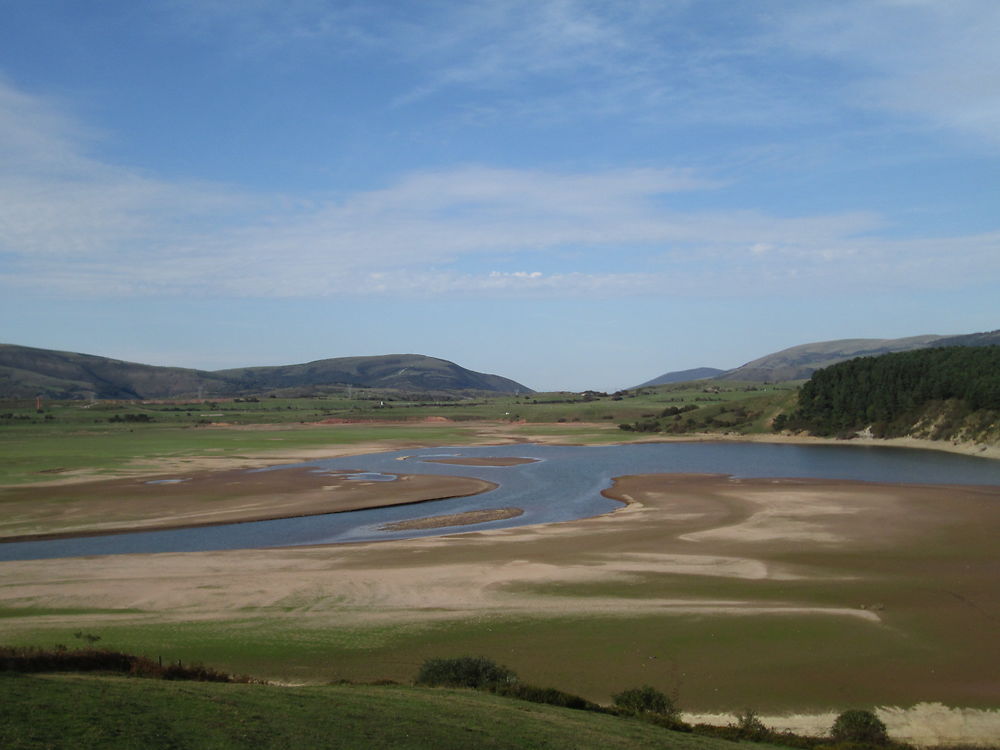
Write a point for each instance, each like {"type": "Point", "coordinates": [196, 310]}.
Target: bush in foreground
{"type": "Point", "coordinates": [749, 726]}
{"type": "Point", "coordinates": [464, 671]}
{"type": "Point", "coordinates": [480, 673]}
{"type": "Point", "coordinates": [646, 700]}
{"type": "Point", "coordinates": [29, 659]}
{"type": "Point", "coordinates": [861, 727]}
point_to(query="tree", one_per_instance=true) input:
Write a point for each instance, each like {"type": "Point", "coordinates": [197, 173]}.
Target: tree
{"type": "Point", "coordinates": [859, 726]}
{"type": "Point", "coordinates": [646, 699]}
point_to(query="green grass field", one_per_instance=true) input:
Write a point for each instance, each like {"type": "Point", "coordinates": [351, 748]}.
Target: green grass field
{"type": "Point", "coordinates": [102, 712]}
{"type": "Point", "coordinates": [707, 662]}
{"type": "Point", "coordinates": [43, 452]}
{"type": "Point", "coordinates": [105, 437]}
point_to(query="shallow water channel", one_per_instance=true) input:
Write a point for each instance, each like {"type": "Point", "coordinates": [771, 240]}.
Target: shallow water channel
{"type": "Point", "coordinates": [564, 484]}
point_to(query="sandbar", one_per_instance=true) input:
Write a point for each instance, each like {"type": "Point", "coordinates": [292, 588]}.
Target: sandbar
{"type": "Point", "coordinates": [482, 461]}
{"type": "Point", "coordinates": [454, 519]}
{"type": "Point", "coordinates": [208, 498]}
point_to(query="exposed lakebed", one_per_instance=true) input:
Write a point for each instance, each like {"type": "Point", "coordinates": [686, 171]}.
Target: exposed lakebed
{"type": "Point", "coordinates": [553, 483]}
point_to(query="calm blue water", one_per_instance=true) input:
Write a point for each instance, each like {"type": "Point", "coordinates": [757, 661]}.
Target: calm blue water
{"type": "Point", "coordinates": [564, 484]}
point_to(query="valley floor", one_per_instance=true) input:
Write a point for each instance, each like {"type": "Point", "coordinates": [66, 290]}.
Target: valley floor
{"type": "Point", "coordinates": [786, 596]}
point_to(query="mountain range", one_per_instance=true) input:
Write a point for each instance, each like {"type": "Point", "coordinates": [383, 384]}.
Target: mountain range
{"type": "Point", "coordinates": [800, 362]}
{"type": "Point", "coordinates": [26, 372]}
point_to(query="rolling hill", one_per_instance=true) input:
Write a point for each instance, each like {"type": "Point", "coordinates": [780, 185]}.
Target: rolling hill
{"type": "Point", "coordinates": [800, 362]}
{"type": "Point", "coordinates": [26, 372]}
{"type": "Point", "coordinates": [404, 372]}
{"type": "Point", "coordinates": [683, 376]}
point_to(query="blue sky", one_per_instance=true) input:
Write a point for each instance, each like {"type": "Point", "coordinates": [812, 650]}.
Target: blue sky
{"type": "Point", "coordinates": [571, 193]}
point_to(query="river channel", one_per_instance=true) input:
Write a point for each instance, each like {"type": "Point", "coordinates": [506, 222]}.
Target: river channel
{"type": "Point", "coordinates": [564, 483]}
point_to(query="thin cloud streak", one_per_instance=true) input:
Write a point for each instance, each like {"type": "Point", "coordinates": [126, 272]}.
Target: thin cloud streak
{"type": "Point", "coordinates": [80, 227]}
{"type": "Point", "coordinates": [936, 61]}
{"type": "Point", "coordinates": [933, 61]}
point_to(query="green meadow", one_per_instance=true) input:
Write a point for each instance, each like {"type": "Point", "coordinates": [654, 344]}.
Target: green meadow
{"type": "Point", "coordinates": [102, 438]}
{"type": "Point", "coordinates": [43, 453]}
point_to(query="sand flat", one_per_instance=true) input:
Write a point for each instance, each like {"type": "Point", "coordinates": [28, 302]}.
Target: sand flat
{"type": "Point", "coordinates": [209, 498]}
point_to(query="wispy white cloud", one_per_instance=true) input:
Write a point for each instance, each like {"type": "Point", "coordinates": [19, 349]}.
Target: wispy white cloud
{"type": "Point", "coordinates": [58, 201]}
{"type": "Point", "coordinates": [74, 225]}
{"type": "Point", "coordinates": [936, 61]}
{"type": "Point", "coordinates": [256, 28]}
{"type": "Point", "coordinates": [666, 62]}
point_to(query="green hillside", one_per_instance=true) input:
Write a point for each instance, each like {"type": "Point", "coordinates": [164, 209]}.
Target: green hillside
{"type": "Point", "coordinates": [26, 372]}
{"type": "Point", "coordinates": [82, 711]}
{"type": "Point", "coordinates": [390, 371]}
{"type": "Point", "coordinates": [940, 393]}
{"type": "Point", "coordinates": [800, 362]}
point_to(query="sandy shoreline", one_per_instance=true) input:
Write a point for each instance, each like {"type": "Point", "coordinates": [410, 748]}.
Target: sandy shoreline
{"type": "Point", "coordinates": [967, 449]}
{"type": "Point", "coordinates": [923, 725]}
{"type": "Point", "coordinates": [489, 433]}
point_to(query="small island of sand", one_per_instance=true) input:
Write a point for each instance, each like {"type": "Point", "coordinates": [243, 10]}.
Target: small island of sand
{"type": "Point", "coordinates": [454, 519]}
{"type": "Point", "coordinates": [482, 461]}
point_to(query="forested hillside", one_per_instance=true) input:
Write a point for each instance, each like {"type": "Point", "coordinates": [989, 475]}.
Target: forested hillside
{"type": "Point", "coordinates": [946, 393]}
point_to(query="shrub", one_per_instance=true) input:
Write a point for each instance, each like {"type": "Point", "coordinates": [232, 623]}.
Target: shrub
{"type": "Point", "coordinates": [61, 659]}
{"type": "Point", "coordinates": [646, 699]}
{"type": "Point", "coordinates": [464, 671]}
{"type": "Point", "coordinates": [749, 726]}
{"type": "Point", "coordinates": [859, 726]}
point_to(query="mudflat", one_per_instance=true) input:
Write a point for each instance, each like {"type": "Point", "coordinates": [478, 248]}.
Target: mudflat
{"type": "Point", "coordinates": [204, 498]}
{"type": "Point", "coordinates": [784, 594]}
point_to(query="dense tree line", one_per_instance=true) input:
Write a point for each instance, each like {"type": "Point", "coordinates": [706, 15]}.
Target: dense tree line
{"type": "Point", "coordinates": [889, 393]}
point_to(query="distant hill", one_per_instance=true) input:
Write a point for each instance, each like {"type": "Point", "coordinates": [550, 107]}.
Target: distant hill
{"type": "Point", "coordinates": [800, 362]}
{"type": "Point", "coordinates": [682, 376]}
{"type": "Point", "coordinates": [26, 372]}
{"type": "Point", "coordinates": [406, 372]}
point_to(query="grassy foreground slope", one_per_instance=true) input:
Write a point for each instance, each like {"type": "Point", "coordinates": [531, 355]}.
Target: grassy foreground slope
{"type": "Point", "coordinates": [80, 712]}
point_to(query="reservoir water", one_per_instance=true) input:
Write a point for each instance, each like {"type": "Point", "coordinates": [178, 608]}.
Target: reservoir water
{"type": "Point", "coordinates": [564, 483]}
